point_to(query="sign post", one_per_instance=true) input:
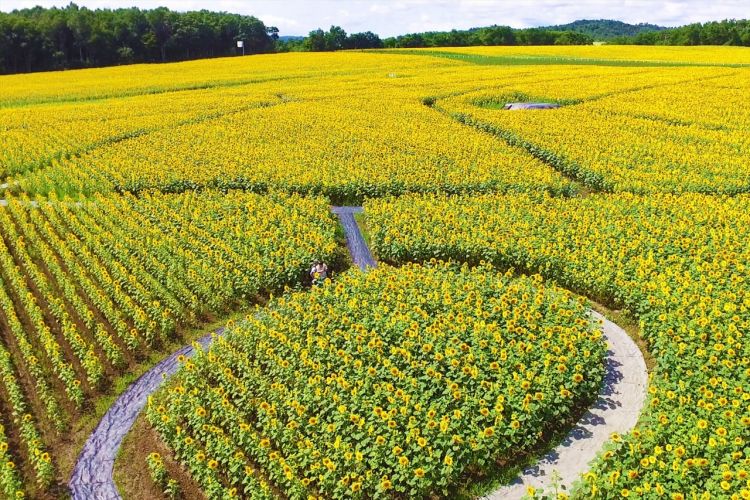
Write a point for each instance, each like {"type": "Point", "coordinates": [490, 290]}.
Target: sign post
{"type": "Point", "coordinates": [241, 45]}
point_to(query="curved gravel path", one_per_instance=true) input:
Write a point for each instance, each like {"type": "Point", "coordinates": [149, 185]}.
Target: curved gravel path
{"type": "Point", "coordinates": [617, 409]}
{"type": "Point", "coordinates": [92, 476]}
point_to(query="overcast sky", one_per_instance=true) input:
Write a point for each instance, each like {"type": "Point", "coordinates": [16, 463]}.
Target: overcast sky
{"type": "Point", "coordinates": [387, 18]}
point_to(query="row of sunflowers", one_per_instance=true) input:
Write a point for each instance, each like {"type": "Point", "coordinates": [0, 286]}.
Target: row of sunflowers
{"type": "Point", "coordinates": [88, 288]}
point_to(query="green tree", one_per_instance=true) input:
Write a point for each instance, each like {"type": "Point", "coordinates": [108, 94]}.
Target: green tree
{"type": "Point", "coordinates": [573, 38]}
{"type": "Point", "coordinates": [335, 38]}
{"type": "Point", "coordinates": [366, 40]}
{"type": "Point", "coordinates": [161, 21]}
{"type": "Point", "coordinates": [316, 41]}
{"type": "Point", "coordinates": [79, 23]}
{"type": "Point", "coordinates": [497, 35]}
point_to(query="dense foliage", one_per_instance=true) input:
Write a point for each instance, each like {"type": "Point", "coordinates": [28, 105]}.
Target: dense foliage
{"type": "Point", "coordinates": [606, 29]}
{"type": "Point", "coordinates": [492, 35]}
{"type": "Point", "coordinates": [727, 32]}
{"type": "Point", "coordinates": [333, 39]}
{"type": "Point", "coordinates": [85, 288]}
{"type": "Point", "coordinates": [392, 382]}
{"type": "Point", "coordinates": [677, 263]}
{"type": "Point", "coordinates": [76, 37]}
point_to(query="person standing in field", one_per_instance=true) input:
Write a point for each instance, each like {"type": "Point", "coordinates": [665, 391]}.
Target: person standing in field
{"type": "Point", "coordinates": [319, 272]}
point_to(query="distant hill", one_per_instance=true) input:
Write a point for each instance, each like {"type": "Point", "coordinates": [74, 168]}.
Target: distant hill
{"type": "Point", "coordinates": [605, 29]}
{"type": "Point", "coordinates": [291, 38]}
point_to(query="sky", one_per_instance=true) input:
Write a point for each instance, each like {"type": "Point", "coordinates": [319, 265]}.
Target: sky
{"type": "Point", "coordinates": [395, 17]}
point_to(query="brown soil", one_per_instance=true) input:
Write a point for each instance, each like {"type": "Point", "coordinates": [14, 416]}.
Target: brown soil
{"type": "Point", "coordinates": [630, 325]}
{"type": "Point", "coordinates": [132, 474]}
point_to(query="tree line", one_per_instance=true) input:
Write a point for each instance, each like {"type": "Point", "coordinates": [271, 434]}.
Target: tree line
{"type": "Point", "coordinates": [491, 35]}
{"type": "Point", "coordinates": [41, 39]}
{"type": "Point", "coordinates": [336, 38]}
{"type": "Point", "coordinates": [605, 29]}
{"type": "Point", "coordinates": [727, 32]}
{"type": "Point", "coordinates": [333, 39]}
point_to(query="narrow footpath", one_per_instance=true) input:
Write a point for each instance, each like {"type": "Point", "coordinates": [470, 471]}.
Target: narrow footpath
{"type": "Point", "coordinates": [617, 409]}
{"type": "Point", "coordinates": [360, 252]}
{"type": "Point", "coordinates": [92, 477]}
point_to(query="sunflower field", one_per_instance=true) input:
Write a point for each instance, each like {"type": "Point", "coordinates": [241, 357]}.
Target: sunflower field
{"type": "Point", "coordinates": [669, 135]}
{"type": "Point", "coordinates": [88, 288]}
{"type": "Point", "coordinates": [678, 263]}
{"type": "Point", "coordinates": [391, 382]}
{"type": "Point", "coordinates": [140, 204]}
{"type": "Point", "coordinates": [385, 125]}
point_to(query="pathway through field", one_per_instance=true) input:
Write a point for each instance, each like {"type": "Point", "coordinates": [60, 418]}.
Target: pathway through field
{"type": "Point", "coordinates": [358, 248]}
{"type": "Point", "coordinates": [92, 476]}
{"type": "Point", "coordinates": [616, 410]}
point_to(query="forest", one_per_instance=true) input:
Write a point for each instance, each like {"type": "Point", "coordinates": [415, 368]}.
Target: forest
{"type": "Point", "coordinates": [727, 32]}
{"type": "Point", "coordinates": [491, 35]}
{"type": "Point", "coordinates": [41, 39]}
{"type": "Point", "coordinates": [605, 29]}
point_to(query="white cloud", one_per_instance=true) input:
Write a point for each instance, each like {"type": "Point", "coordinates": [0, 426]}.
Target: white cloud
{"type": "Point", "coordinates": [273, 20]}
{"type": "Point", "coordinates": [298, 17]}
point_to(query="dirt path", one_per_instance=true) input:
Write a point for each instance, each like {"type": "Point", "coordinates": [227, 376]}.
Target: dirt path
{"type": "Point", "coordinates": [358, 248]}
{"type": "Point", "coordinates": [92, 475]}
{"type": "Point", "coordinates": [616, 410]}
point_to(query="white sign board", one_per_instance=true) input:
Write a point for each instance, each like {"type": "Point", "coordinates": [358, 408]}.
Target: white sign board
{"type": "Point", "coordinates": [240, 44]}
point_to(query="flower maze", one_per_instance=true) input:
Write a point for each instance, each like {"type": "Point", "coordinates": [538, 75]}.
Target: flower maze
{"type": "Point", "coordinates": [143, 206]}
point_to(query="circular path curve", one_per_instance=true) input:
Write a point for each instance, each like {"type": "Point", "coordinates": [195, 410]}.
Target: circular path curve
{"type": "Point", "coordinates": [92, 476]}
{"type": "Point", "coordinates": [616, 410]}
